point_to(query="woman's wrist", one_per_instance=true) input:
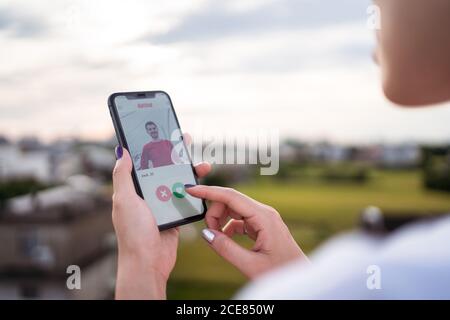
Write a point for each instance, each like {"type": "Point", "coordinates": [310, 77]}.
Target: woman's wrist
{"type": "Point", "coordinates": [138, 278]}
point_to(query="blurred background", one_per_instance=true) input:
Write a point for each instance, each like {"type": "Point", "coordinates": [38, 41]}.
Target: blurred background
{"type": "Point", "coordinates": [303, 67]}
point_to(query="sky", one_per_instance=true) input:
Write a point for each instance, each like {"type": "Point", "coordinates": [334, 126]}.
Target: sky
{"type": "Point", "coordinates": [303, 67]}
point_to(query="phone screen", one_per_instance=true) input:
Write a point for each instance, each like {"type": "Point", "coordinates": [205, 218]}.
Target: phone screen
{"type": "Point", "coordinates": [160, 158]}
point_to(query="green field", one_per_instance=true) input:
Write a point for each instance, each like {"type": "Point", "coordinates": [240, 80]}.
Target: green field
{"type": "Point", "coordinates": [313, 209]}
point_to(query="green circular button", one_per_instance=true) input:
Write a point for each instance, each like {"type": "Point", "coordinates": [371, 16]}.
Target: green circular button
{"type": "Point", "coordinates": [178, 190]}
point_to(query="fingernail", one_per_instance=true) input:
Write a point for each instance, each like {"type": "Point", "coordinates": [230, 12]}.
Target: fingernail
{"type": "Point", "coordinates": [119, 152]}
{"type": "Point", "coordinates": [208, 235]}
{"type": "Point", "coordinates": [186, 186]}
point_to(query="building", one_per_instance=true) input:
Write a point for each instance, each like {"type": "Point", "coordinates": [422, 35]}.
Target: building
{"type": "Point", "coordinates": [17, 164]}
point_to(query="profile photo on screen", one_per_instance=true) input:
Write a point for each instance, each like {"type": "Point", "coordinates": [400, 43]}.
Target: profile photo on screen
{"type": "Point", "coordinates": [157, 152]}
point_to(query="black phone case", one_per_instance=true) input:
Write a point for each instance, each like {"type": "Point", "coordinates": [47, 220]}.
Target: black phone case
{"type": "Point", "coordinates": [123, 142]}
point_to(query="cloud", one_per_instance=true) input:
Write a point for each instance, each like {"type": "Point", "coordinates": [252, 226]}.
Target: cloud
{"type": "Point", "coordinates": [302, 66]}
{"type": "Point", "coordinates": [21, 25]}
{"type": "Point", "coordinates": [284, 52]}
{"type": "Point", "coordinates": [217, 20]}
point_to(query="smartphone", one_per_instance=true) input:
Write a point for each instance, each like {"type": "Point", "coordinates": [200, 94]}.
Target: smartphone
{"type": "Point", "coordinates": [147, 126]}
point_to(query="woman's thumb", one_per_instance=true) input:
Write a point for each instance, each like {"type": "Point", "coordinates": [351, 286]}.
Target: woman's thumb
{"type": "Point", "coordinates": [122, 179]}
{"type": "Point", "coordinates": [228, 249]}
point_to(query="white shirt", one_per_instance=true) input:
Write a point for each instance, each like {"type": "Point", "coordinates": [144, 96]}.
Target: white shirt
{"type": "Point", "coordinates": [412, 263]}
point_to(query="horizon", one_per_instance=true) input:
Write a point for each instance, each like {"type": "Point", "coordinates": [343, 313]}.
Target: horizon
{"type": "Point", "coordinates": [284, 140]}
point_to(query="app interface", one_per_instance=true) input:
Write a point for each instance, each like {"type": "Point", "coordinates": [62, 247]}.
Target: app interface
{"type": "Point", "coordinates": [159, 156]}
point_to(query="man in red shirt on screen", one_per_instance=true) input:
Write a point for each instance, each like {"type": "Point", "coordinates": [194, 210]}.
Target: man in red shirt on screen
{"type": "Point", "coordinates": [156, 153]}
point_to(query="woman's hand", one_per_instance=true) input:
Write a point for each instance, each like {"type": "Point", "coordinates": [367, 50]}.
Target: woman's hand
{"type": "Point", "coordinates": [146, 256]}
{"type": "Point", "coordinates": [274, 245]}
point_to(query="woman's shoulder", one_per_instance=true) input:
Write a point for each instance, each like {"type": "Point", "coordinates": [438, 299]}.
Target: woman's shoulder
{"type": "Point", "coordinates": [411, 263]}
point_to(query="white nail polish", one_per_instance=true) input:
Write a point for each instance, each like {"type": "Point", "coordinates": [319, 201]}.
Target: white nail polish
{"type": "Point", "coordinates": [208, 235]}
